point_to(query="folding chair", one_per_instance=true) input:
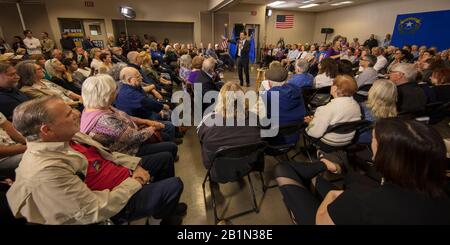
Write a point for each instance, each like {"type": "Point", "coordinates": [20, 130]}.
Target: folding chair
{"type": "Point", "coordinates": [233, 163]}
{"type": "Point", "coordinates": [338, 128]}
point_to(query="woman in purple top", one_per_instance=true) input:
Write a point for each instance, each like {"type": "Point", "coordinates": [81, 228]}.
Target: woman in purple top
{"type": "Point", "coordinates": [197, 63]}
{"type": "Point", "coordinates": [335, 51]}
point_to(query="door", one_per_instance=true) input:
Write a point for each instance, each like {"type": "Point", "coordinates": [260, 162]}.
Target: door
{"type": "Point", "coordinates": [96, 30]}
{"type": "Point", "coordinates": [254, 30]}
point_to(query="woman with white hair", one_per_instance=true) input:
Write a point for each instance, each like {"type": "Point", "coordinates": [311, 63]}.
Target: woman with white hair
{"type": "Point", "coordinates": [229, 106]}
{"type": "Point", "coordinates": [114, 128]}
{"type": "Point", "coordinates": [381, 103]}
{"type": "Point", "coordinates": [185, 68]}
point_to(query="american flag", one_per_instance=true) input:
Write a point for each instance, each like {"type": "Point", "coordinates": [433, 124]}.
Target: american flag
{"type": "Point", "coordinates": [223, 45]}
{"type": "Point", "coordinates": [285, 21]}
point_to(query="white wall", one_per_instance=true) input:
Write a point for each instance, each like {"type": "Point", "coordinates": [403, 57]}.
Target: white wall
{"type": "Point", "coordinates": [149, 10]}
{"type": "Point", "coordinates": [242, 14]}
{"type": "Point", "coordinates": [377, 17]}
{"type": "Point", "coordinates": [303, 30]}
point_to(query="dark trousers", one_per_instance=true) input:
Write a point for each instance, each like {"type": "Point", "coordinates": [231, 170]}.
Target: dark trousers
{"type": "Point", "coordinates": [160, 165]}
{"type": "Point", "coordinates": [243, 65]}
{"type": "Point", "coordinates": [158, 198]}
{"type": "Point", "coordinates": [149, 149]}
{"type": "Point", "coordinates": [301, 201]}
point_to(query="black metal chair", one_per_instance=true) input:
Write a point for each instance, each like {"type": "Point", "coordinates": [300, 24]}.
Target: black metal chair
{"type": "Point", "coordinates": [233, 163]}
{"type": "Point", "coordinates": [358, 127]}
{"type": "Point", "coordinates": [318, 97]}
{"type": "Point", "coordinates": [285, 132]}
{"type": "Point", "coordinates": [362, 93]}
{"type": "Point", "coordinates": [437, 112]}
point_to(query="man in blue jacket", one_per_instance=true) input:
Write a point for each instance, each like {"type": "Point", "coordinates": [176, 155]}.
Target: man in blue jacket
{"type": "Point", "coordinates": [291, 105]}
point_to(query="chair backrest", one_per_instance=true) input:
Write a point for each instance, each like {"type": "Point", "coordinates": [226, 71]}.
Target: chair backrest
{"type": "Point", "coordinates": [291, 129]}
{"type": "Point", "coordinates": [348, 127]}
{"type": "Point", "coordinates": [365, 87]}
{"type": "Point", "coordinates": [437, 112]}
{"type": "Point", "coordinates": [231, 163]}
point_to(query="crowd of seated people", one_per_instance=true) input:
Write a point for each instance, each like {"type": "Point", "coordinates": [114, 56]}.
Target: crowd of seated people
{"type": "Point", "coordinates": [109, 109]}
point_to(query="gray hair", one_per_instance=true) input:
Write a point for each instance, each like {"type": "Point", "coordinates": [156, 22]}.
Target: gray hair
{"type": "Point", "coordinates": [116, 69]}
{"type": "Point", "coordinates": [372, 59]}
{"type": "Point", "coordinates": [186, 61]}
{"type": "Point", "coordinates": [407, 69]}
{"type": "Point", "coordinates": [29, 116]}
{"type": "Point", "coordinates": [52, 72]}
{"type": "Point", "coordinates": [302, 64]}
{"type": "Point", "coordinates": [27, 71]}
{"type": "Point", "coordinates": [97, 91]}
{"type": "Point", "coordinates": [208, 65]}
{"type": "Point", "coordinates": [132, 56]}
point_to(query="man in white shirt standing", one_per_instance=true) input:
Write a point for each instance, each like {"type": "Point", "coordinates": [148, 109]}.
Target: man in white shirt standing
{"type": "Point", "coordinates": [32, 44]}
{"type": "Point", "coordinates": [381, 60]}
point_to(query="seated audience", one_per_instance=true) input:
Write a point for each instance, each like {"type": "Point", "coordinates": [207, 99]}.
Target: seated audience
{"type": "Point", "coordinates": [61, 77]}
{"type": "Point", "coordinates": [369, 74]}
{"type": "Point", "coordinates": [208, 78]}
{"type": "Point", "coordinates": [117, 55]}
{"type": "Point", "coordinates": [381, 103]}
{"type": "Point", "coordinates": [10, 96]}
{"type": "Point", "coordinates": [96, 63]}
{"type": "Point", "coordinates": [381, 62]}
{"type": "Point", "coordinates": [33, 84]}
{"type": "Point", "coordinates": [440, 91]}
{"type": "Point", "coordinates": [332, 113]}
{"type": "Point", "coordinates": [133, 100]}
{"type": "Point", "coordinates": [197, 63]}
{"type": "Point", "coordinates": [411, 98]}
{"type": "Point", "coordinates": [267, 84]}
{"type": "Point", "coordinates": [106, 66]}
{"type": "Point", "coordinates": [115, 129]}
{"type": "Point", "coordinates": [213, 137]}
{"type": "Point", "coordinates": [301, 78]}
{"type": "Point", "coordinates": [403, 152]}
{"type": "Point", "coordinates": [82, 58]}
{"type": "Point", "coordinates": [291, 108]}
{"type": "Point", "coordinates": [345, 67]}
{"type": "Point", "coordinates": [399, 57]}
{"type": "Point", "coordinates": [73, 71]}
{"type": "Point", "coordinates": [328, 70]}
{"type": "Point", "coordinates": [48, 188]}
{"type": "Point", "coordinates": [12, 145]}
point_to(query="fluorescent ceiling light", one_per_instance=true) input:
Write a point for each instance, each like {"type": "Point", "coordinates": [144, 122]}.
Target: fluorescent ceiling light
{"type": "Point", "coordinates": [308, 1]}
{"type": "Point", "coordinates": [276, 3]}
{"type": "Point", "coordinates": [308, 6]}
{"type": "Point", "coordinates": [341, 3]}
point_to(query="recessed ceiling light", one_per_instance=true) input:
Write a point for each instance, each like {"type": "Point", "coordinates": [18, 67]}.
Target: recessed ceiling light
{"type": "Point", "coordinates": [276, 3]}
{"type": "Point", "coordinates": [341, 3]}
{"type": "Point", "coordinates": [308, 6]}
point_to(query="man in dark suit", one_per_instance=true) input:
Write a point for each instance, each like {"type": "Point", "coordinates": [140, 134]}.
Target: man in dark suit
{"type": "Point", "coordinates": [208, 79]}
{"type": "Point", "coordinates": [243, 57]}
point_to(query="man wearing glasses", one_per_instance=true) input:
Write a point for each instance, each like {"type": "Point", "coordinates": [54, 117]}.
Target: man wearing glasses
{"type": "Point", "coordinates": [411, 98]}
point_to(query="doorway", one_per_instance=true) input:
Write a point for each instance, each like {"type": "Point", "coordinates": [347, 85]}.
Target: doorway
{"type": "Point", "coordinates": [251, 29]}
{"type": "Point", "coordinates": [81, 28]}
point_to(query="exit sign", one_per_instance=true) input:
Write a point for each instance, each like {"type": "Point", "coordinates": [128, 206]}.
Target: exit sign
{"type": "Point", "coordinates": [89, 4]}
